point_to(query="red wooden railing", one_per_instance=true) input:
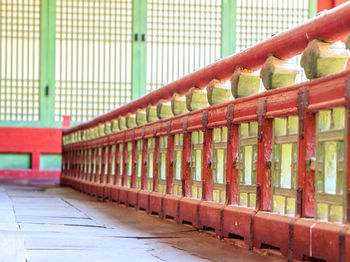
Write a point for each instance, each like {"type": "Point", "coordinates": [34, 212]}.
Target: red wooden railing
{"type": "Point", "coordinates": [85, 160]}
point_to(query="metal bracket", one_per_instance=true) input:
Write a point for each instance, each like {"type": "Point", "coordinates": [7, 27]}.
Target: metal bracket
{"type": "Point", "coordinates": [204, 125]}
{"type": "Point", "coordinates": [261, 112]}
{"type": "Point", "coordinates": [154, 131]}
{"type": "Point", "coordinates": [124, 136]}
{"type": "Point", "coordinates": [184, 129]}
{"type": "Point", "coordinates": [303, 102]}
{"type": "Point", "coordinates": [229, 118]}
{"type": "Point", "coordinates": [291, 239]}
{"type": "Point", "coordinates": [299, 201]}
{"type": "Point", "coordinates": [227, 192]}
{"type": "Point", "coordinates": [258, 197]}
{"type": "Point", "coordinates": [342, 246]}
{"type": "Point", "coordinates": [168, 128]}
{"type": "Point", "coordinates": [348, 208]}
{"type": "Point", "coordinates": [143, 133]}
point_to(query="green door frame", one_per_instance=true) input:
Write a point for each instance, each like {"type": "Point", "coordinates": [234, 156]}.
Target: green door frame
{"type": "Point", "coordinates": [139, 48]}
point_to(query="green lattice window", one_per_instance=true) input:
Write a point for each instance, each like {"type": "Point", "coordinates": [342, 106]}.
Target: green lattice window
{"type": "Point", "coordinates": [181, 36]}
{"type": "Point", "coordinates": [163, 148]}
{"type": "Point", "coordinates": [285, 165]}
{"type": "Point", "coordinates": [139, 146]}
{"type": "Point", "coordinates": [330, 170]}
{"type": "Point", "coordinates": [178, 147]}
{"type": "Point", "coordinates": [20, 59]}
{"type": "Point", "coordinates": [93, 57]}
{"type": "Point", "coordinates": [247, 163]}
{"type": "Point", "coordinates": [151, 148]}
{"type": "Point", "coordinates": [257, 20]}
{"type": "Point", "coordinates": [219, 164]}
{"type": "Point", "coordinates": [196, 163]}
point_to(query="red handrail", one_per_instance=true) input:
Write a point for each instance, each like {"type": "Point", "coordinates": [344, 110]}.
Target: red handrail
{"type": "Point", "coordinates": [332, 25]}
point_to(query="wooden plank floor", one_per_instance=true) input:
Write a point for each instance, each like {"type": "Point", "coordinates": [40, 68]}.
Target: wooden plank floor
{"type": "Point", "coordinates": [51, 223]}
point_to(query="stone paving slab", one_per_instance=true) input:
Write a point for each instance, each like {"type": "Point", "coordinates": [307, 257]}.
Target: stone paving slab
{"type": "Point", "coordinates": [45, 223]}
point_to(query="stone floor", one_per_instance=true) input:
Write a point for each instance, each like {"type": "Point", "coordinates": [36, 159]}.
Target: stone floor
{"type": "Point", "coordinates": [51, 223]}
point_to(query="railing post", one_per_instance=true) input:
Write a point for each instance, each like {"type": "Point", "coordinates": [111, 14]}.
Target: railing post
{"type": "Point", "coordinates": [231, 170]}
{"type": "Point", "coordinates": [144, 162]}
{"type": "Point", "coordinates": [125, 168]}
{"type": "Point", "coordinates": [116, 164]}
{"type": "Point", "coordinates": [97, 163]}
{"type": "Point", "coordinates": [263, 195]}
{"type": "Point", "coordinates": [103, 164]}
{"type": "Point", "coordinates": [92, 164]}
{"type": "Point", "coordinates": [109, 164]}
{"type": "Point", "coordinates": [155, 161]}
{"type": "Point", "coordinates": [170, 162]}
{"type": "Point", "coordinates": [134, 162]}
{"type": "Point", "coordinates": [186, 161]}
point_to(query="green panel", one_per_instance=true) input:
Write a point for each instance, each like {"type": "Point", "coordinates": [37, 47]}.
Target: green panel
{"type": "Point", "coordinates": [228, 35]}
{"type": "Point", "coordinates": [139, 48]}
{"type": "Point", "coordinates": [312, 8]}
{"type": "Point", "coordinates": [290, 210]}
{"type": "Point", "coordinates": [286, 166]}
{"type": "Point", "coordinates": [181, 36]}
{"type": "Point", "coordinates": [139, 165]}
{"type": "Point", "coordinates": [248, 159]}
{"type": "Point", "coordinates": [15, 161]}
{"type": "Point", "coordinates": [243, 199]}
{"type": "Point", "coordinates": [20, 48]}
{"type": "Point", "coordinates": [330, 167]}
{"type": "Point", "coordinates": [47, 61]}
{"type": "Point", "coordinates": [178, 165]}
{"type": "Point", "coordinates": [94, 57]}
{"type": "Point", "coordinates": [150, 164]}
{"type": "Point", "coordinates": [220, 163]}
{"type": "Point", "coordinates": [252, 200]}
{"type": "Point", "coordinates": [278, 204]}
{"type": "Point", "coordinates": [280, 126]}
{"type": "Point", "coordinates": [198, 163]}
{"type": "Point", "coordinates": [163, 166]}
{"type": "Point", "coordinates": [50, 162]}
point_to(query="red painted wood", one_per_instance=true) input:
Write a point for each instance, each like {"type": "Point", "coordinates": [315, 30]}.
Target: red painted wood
{"type": "Point", "coordinates": [103, 165]}
{"type": "Point", "coordinates": [28, 140]}
{"type": "Point", "coordinates": [155, 164]}
{"type": "Point", "coordinates": [207, 176]}
{"type": "Point", "coordinates": [92, 164]}
{"type": "Point", "coordinates": [263, 165]}
{"type": "Point", "coordinates": [306, 177]}
{"type": "Point", "coordinates": [186, 164]}
{"type": "Point", "coordinates": [117, 165]}
{"type": "Point", "coordinates": [325, 5]}
{"type": "Point", "coordinates": [233, 194]}
{"type": "Point", "coordinates": [29, 176]}
{"type": "Point", "coordinates": [66, 121]}
{"type": "Point", "coordinates": [133, 166]}
{"type": "Point", "coordinates": [144, 167]}
{"type": "Point", "coordinates": [109, 164]}
{"type": "Point", "coordinates": [125, 168]}
{"type": "Point", "coordinates": [170, 164]}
